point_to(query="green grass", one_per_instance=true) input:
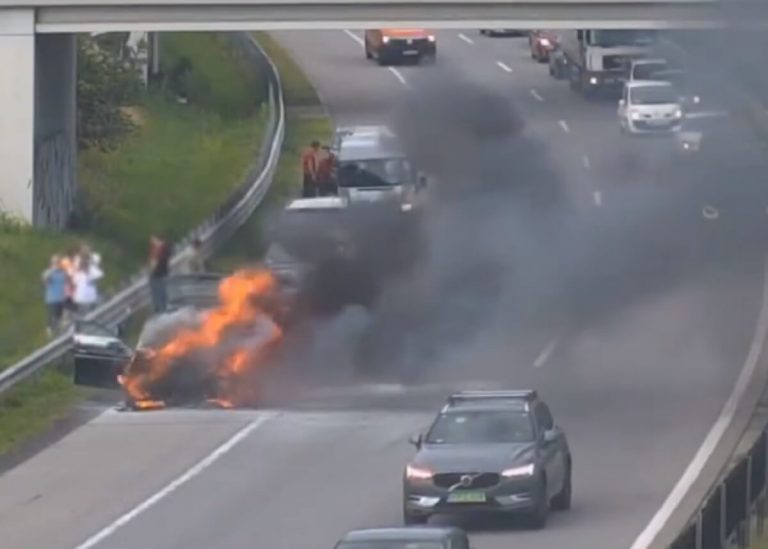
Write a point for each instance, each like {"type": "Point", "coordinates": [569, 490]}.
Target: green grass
{"type": "Point", "coordinates": [297, 88]}
{"type": "Point", "coordinates": [32, 408]}
{"type": "Point", "coordinates": [248, 244]}
{"type": "Point", "coordinates": [167, 176]}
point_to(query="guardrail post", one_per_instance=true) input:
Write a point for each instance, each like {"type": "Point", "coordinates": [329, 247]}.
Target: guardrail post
{"type": "Point", "coordinates": [699, 531]}
{"type": "Point", "coordinates": [748, 530]}
{"type": "Point", "coordinates": [723, 506]}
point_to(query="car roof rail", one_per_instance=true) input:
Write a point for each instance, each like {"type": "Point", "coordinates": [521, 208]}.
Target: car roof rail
{"type": "Point", "coordinates": [468, 396]}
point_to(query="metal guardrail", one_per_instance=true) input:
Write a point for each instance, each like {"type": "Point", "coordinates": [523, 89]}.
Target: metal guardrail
{"type": "Point", "coordinates": [215, 230]}
{"type": "Point", "coordinates": [734, 512]}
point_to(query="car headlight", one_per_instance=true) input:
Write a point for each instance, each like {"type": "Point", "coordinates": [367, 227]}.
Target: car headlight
{"type": "Point", "coordinates": [417, 473]}
{"type": "Point", "coordinates": [678, 113]}
{"type": "Point", "coordinates": [521, 471]}
{"type": "Point", "coordinates": [696, 99]}
{"type": "Point", "coordinates": [431, 38]}
{"type": "Point", "coordinates": [634, 115]}
{"type": "Point", "coordinates": [406, 207]}
{"type": "Point", "coordinates": [385, 39]}
{"type": "Point", "coordinates": [545, 42]}
{"type": "Point", "coordinates": [593, 80]}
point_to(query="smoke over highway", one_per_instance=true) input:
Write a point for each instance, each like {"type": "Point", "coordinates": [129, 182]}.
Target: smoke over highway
{"type": "Point", "coordinates": [509, 252]}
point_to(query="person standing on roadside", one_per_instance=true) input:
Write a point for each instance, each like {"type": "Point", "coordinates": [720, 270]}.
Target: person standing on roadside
{"type": "Point", "coordinates": [69, 261]}
{"type": "Point", "coordinates": [325, 167]}
{"type": "Point", "coordinates": [159, 263]}
{"type": "Point", "coordinates": [86, 293]}
{"type": "Point", "coordinates": [56, 281]}
{"type": "Point", "coordinates": [309, 161]}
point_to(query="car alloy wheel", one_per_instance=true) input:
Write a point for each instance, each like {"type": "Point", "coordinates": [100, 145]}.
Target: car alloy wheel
{"type": "Point", "coordinates": [562, 501]}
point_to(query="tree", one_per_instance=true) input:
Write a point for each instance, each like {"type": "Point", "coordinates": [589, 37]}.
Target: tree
{"type": "Point", "coordinates": [107, 81]}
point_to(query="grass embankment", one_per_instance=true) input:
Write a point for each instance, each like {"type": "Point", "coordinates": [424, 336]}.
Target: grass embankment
{"type": "Point", "coordinates": [179, 164]}
{"type": "Point", "coordinates": [248, 243]}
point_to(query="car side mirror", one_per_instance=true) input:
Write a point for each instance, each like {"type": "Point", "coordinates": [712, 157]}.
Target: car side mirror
{"type": "Point", "coordinates": [550, 435]}
{"type": "Point", "coordinates": [416, 440]}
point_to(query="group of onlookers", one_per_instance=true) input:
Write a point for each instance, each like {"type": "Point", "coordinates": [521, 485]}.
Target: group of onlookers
{"type": "Point", "coordinates": [71, 280]}
{"type": "Point", "coordinates": [71, 285]}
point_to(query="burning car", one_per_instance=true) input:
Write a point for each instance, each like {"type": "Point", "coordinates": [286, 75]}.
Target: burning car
{"type": "Point", "coordinates": [193, 354]}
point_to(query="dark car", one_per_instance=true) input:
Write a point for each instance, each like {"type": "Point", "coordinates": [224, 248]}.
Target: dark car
{"type": "Point", "coordinates": [489, 452]}
{"type": "Point", "coordinates": [503, 32]}
{"type": "Point", "coordinates": [405, 538]}
{"type": "Point", "coordinates": [542, 43]}
{"type": "Point", "coordinates": [558, 64]}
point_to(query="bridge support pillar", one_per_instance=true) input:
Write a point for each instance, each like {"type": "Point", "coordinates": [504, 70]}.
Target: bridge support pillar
{"type": "Point", "coordinates": [17, 112]}
{"type": "Point", "coordinates": [38, 143]}
{"type": "Point", "coordinates": [55, 129]}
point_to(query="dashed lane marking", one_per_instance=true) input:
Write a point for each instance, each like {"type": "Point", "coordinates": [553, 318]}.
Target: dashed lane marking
{"type": "Point", "coordinates": [537, 96]}
{"type": "Point", "coordinates": [503, 66]}
{"type": "Point", "coordinates": [201, 466]}
{"type": "Point", "coordinates": [564, 125]}
{"type": "Point", "coordinates": [354, 37]}
{"type": "Point", "coordinates": [598, 197]}
{"type": "Point", "coordinates": [545, 354]}
{"type": "Point", "coordinates": [466, 38]}
{"type": "Point", "coordinates": [398, 75]}
{"type": "Point", "coordinates": [586, 162]}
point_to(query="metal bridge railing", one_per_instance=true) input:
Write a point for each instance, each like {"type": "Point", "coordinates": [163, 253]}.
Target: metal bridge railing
{"type": "Point", "coordinates": [134, 294]}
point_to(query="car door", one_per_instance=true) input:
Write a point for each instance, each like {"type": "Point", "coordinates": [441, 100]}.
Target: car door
{"type": "Point", "coordinates": [549, 449]}
{"type": "Point", "coordinates": [558, 449]}
{"type": "Point", "coordinates": [99, 356]}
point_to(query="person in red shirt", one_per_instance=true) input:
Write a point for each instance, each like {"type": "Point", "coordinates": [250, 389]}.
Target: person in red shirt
{"type": "Point", "coordinates": [325, 168]}
{"type": "Point", "coordinates": [309, 162]}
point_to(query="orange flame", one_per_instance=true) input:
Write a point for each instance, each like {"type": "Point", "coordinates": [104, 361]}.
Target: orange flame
{"type": "Point", "coordinates": [242, 298]}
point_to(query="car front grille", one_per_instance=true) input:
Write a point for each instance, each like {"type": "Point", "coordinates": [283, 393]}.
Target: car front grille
{"type": "Point", "coordinates": [479, 480]}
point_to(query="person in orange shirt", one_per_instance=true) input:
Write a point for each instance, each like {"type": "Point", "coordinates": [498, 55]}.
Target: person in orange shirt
{"type": "Point", "coordinates": [309, 162]}
{"type": "Point", "coordinates": [325, 168]}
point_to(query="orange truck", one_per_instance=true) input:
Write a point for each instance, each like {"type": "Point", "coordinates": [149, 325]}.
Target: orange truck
{"type": "Point", "coordinates": [389, 46]}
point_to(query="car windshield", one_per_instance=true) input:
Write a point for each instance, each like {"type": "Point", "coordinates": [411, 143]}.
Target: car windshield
{"type": "Point", "coordinates": [647, 71]}
{"type": "Point", "coordinates": [374, 173]}
{"type": "Point", "coordinates": [614, 38]}
{"type": "Point", "coordinates": [391, 545]}
{"type": "Point", "coordinates": [653, 95]}
{"type": "Point", "coordinates": [481, 427]}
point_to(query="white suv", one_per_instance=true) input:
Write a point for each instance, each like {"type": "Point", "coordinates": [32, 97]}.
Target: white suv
{"type": "Point", "coordinates": [650, 107]}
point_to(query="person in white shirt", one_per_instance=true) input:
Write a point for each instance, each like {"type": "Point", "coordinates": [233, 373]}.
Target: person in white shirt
{"type": "Point", "coordinates": [86, 293]}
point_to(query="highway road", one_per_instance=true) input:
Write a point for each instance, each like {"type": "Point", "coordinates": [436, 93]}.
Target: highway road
{"type": "Point", "coordinates": [636, 395]}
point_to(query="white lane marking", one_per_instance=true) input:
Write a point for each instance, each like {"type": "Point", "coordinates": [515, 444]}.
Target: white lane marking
{"type": "Point", "coordinates": [715, 434]}
{"type": "Point", "coordinates": [354, 37]}
{"type": "Point", "coordinates": [503, 66]}
{"type": "Point", "coordinates": [710, 212]}
{"type": "Point", "coordinates": [201, 466]}
{"type": "Point", "coordinates": [563, 124]}
{"type": "Point", "coordinates": [466, 38]}
{"type": "Point", "coordinates": [537, 96]}
{"type": "Point", "coordinates": [586, 162]}
{"type": "Point", "coordinates": [398, 75]}
{"type": "Point", "coordinates": [545, 354]}
{"type": "Point", "coordinates": [598, 196]}
{"type": "Point", "coordinates": [705, 114]}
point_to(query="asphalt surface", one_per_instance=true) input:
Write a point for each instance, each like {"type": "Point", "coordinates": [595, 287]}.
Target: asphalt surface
{"type": "Point", "coordinates": [636, 398]}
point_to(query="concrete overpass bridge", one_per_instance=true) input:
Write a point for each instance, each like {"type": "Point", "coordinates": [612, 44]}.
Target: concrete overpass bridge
{"type": "Point", "coordinates": [38, 58]}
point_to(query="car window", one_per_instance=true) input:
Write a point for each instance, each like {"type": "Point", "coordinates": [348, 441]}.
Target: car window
{"type": "Point", "coordinates": [481, 427]}
{"type": "Point", "coordinates": [653, 95]}
{"type": "Point", "coordinates": [544, 417]}
{"type": "Point", "coordinates": [374, 173]}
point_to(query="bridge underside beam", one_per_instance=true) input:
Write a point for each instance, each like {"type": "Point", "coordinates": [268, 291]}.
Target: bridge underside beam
{"type": "Point", "coordinates": [176, 15]}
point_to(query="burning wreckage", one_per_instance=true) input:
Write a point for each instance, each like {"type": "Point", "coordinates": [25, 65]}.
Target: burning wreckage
{"type": "Point", "coordinates": [191, 355]}
{"type": "Point", "coordinates": [321, 259]}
